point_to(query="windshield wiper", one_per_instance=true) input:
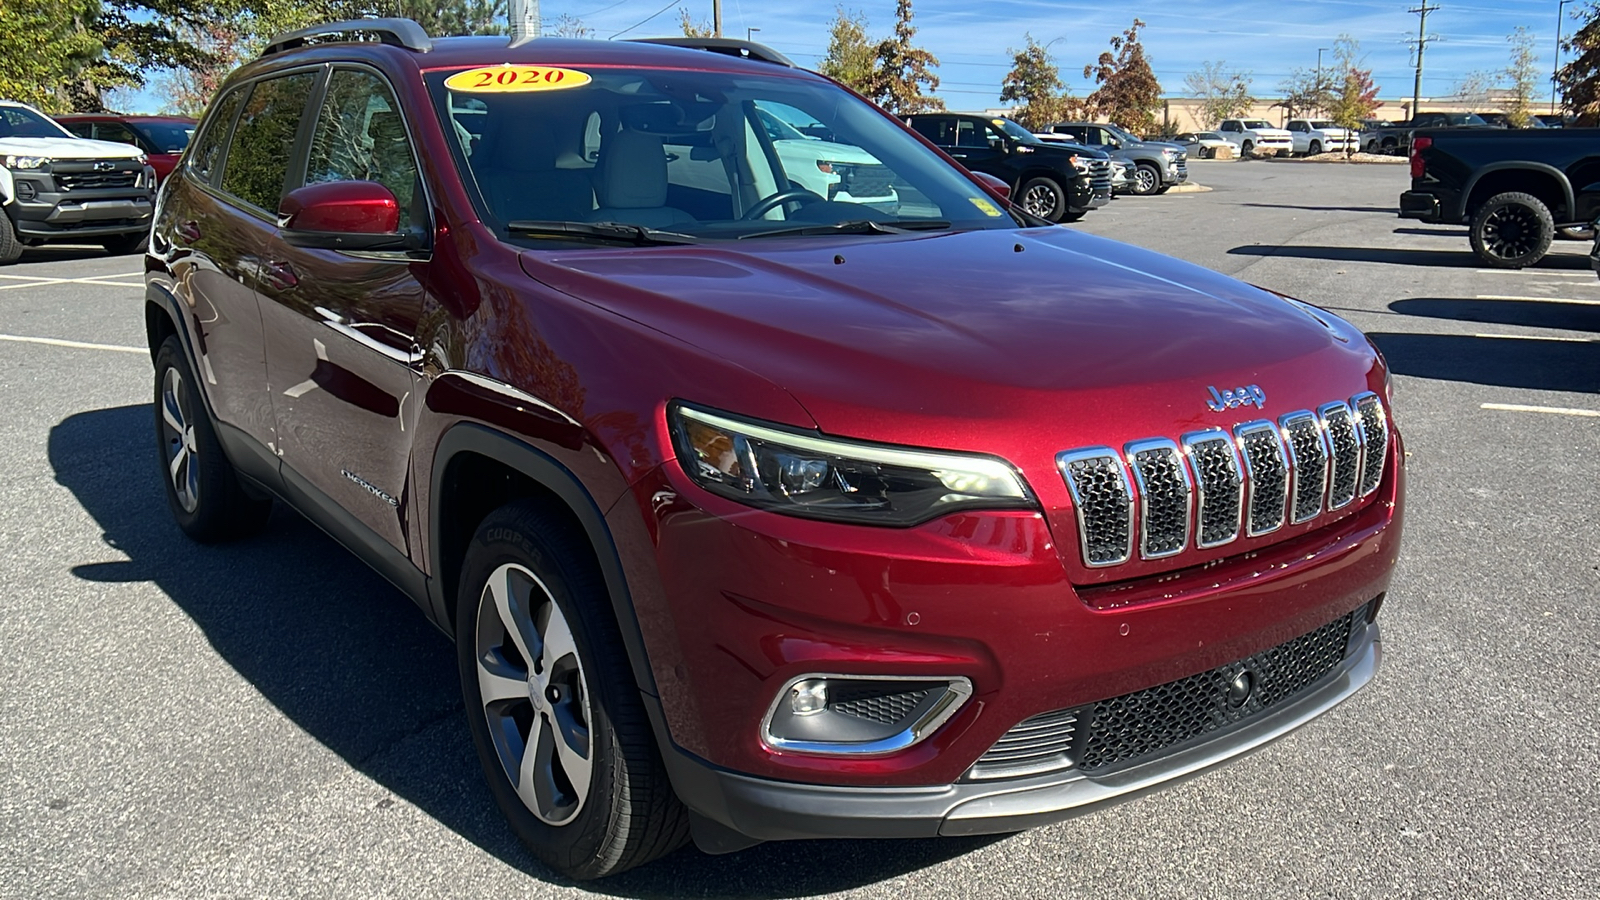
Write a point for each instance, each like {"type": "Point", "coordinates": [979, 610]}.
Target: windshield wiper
{"type": "Point", "coordinates": [856, 226]}
{"type": "Point", "coordinates": [604, 231]}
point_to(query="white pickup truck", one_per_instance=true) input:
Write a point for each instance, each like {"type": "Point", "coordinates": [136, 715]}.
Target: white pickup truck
{"type": "Point", "coordinates": [56, 186]}
{"type": "Point", "coordinates": [1254, 136]}
{"type": "Point", "coordinates": [1313, 136]}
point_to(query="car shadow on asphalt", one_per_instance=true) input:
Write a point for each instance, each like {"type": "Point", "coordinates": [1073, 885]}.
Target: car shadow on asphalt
{"type": "Point", "coordinates": [350, 660]}
{"type": "Point", "coordinates": [1548, 314]}
{"type": "Point", "coordinates": [50, 253]}
{"type": "Point", "coordinates": [1533, 364]}
{"type": "Point", "coordinates": [1463, 258]}
{"type": "Point", "coordinates": [1390, 210]}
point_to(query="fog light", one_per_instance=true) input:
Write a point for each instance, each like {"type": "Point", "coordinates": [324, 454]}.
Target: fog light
{"type": "Point", "coordinates": [26, 190]}
{"type": "Point", "coordinates": [807, 698]}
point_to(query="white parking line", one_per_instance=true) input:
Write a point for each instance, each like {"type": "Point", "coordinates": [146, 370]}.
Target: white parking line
{"type": "Point", "coordinates": [1538, 274]}
{"type": "Point", "coordinates": [77, 345]}
{"type": "Point", "coordinates": [1539, 299]}
{"type": "Point", "coordinates": [1553, 410]}
{"type": "Point", "coordinates": [1537, 337]}
{"type": "Point", "coordinates": [27, 281]}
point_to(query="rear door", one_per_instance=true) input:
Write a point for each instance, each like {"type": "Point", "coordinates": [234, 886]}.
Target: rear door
{"type": "Point", "coordinates": [342, 354]}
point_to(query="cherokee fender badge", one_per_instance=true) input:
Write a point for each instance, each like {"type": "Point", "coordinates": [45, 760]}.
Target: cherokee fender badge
{"type": "Point", "coordinates": [1228, 398]}
{"type": "Point", "coordinates": [369, 487]}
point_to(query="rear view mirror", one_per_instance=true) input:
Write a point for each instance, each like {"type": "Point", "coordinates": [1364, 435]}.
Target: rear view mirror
{"type": "Point", "coordinates": [343, 215]}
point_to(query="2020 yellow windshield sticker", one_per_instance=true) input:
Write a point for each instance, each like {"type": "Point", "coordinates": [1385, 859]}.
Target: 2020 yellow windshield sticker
{"type": "Point", "coordinates": [510, 79]}
{"type": "Point", "coordinates": [985, 207]}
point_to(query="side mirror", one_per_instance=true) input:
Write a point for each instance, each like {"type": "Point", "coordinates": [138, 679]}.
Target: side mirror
{"type": "Point", "coordinates": [993, 185]}
{"type": "Point", "coordinates": [343, 215]}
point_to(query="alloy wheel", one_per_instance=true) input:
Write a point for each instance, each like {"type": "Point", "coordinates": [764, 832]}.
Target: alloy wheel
{"type": "Point", "coordinates": [535, 696]}
{"type": "Point", "coordinates": [1144, 180]}
{"type": "Point", "coordinates": [1510, 231]}
{"type": "Point", "coordinates": [1041, 200]}
{"type": "Point", "coordinates": [177, 435]}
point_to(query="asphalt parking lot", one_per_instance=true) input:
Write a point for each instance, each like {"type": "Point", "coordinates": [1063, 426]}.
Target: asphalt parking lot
{"type": "Point", "coordinates": [270, 719]}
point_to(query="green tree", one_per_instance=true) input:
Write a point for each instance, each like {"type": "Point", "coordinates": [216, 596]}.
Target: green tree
{"type": "Point", "coordinates": [1223, 93]}
{"type": "Point", "coordinates": [1357, 96]}
{"type": "Point", "coordinates": [48, 44]}
{"type": "Point", "coordinates": [1128, 93]}
{"type": "Point", "coordinates": [1579, 80]}
{"type": "Point", "coordinates": [1306, 91]}
{"type": "Point", "coordinates": [1523, 76]}
{"type": "Point", "coordinates": [851, 59]}
{"type": "Point", "coordinates": [691, 28]}
{"type": "Point", "coordinates": [904, 68]}
{"type": "Point", "coordinates": [1035, 82]}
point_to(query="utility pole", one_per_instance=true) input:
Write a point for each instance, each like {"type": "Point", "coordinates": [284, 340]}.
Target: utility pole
{"type": "Point", "coordinates": [1555, 69]}
{"type": "Point", "coordinates": [523, 17]}
{"type": "Point", "coordinates": [716, 18]}
{"type": "Point", "coordinates": [1422, 43]}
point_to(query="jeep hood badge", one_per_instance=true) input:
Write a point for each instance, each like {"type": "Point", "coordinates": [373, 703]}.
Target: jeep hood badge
{"type": "Point", "coordinates": [1228, 398]}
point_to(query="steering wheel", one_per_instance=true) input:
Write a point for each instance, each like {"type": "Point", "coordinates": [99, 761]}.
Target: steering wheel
{"type": "Point", "coordinates": [766, 204]}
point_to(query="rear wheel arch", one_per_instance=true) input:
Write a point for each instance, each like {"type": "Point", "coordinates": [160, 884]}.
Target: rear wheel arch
{"type": "Point", "coordinates": [478, 470]}
{"type": "Point", "coordinates": [1537, 179]}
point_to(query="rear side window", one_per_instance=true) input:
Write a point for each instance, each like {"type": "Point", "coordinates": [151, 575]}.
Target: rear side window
{"type": "Point", "coordinates": [206, 158]}
{"type": "Point", "coordinates": [81, 129]}
{"type": "Point", "coordinates": [117, 133]}
{"type": "Point", "coordinates": [258, 159]}
{"type": "Point", "coordinates": [938, 130]}
{"type": "Point", "coordinates": [359, 136]}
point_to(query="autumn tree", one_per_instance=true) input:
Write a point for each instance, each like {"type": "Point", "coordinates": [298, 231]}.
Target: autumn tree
{"type": "Point", "coordinates": [1035, 82]}
{"type": "Point", "coordinates": [1579, 80]}
{"type": "Point", "coordinates": [48, 44]}
{"type": "Point", "coordinates": [1356, 97]}
{"type": "Point", "coordinates": [1523, 78]}
{"type": "Point", "coordinates": [1223, 93]}
{"type": "Point", "coordinates": [693, 28]}
{"type": "Point", "coordinates": [1128, 93]}
{"type": "Point", "coordinates": [851, 59]}
{"type": "Point", "coordinates": [903, 68]}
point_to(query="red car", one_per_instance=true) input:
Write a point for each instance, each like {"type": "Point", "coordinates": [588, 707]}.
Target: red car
{"type": "Point", "coordinates": [756, 514]}
{"type": "Point", "coordinates": [162, 138]}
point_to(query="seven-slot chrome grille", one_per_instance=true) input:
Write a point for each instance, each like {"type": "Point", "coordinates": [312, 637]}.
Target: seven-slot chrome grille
{"type": "Point", "coordinates": [1206, 489]}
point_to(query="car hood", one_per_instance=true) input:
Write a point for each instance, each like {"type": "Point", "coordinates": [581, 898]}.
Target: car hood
{"type": "Point", "coordinates": [1044, 337]}
{"type": "Point", "coordinates": [68, 148]}
{"type": "Point", "coordinates": [825, 150]}
{"type": "Point", "coordinates": [1161, 145]}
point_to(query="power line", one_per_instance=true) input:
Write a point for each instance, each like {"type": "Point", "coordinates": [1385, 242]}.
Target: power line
{"type": "Point", "coordinates": [644, 20]}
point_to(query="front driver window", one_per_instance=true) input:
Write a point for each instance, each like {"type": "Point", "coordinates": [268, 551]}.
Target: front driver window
{"type": "Point", "coordinates": [359, 136]}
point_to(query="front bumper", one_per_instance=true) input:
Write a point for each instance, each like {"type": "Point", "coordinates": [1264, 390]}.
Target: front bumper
{"type": "Point", "coordinates": [765, 810]}
{"type": "Point", "coordinates": [67, 204]}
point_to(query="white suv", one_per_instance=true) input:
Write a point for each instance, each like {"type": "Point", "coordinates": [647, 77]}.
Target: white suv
{"type": "Point", "coordinates": [1253, 136]}
{"type": "Point", "coordinates": [1313, 136]}
{"type": "Point", "coordinates": [55, 185]}
{"type": "Point", "coordinates": [830, 169]}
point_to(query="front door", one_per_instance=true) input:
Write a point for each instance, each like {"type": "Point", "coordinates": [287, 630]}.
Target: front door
{"type": "Point", "coordinates": [341, 327]}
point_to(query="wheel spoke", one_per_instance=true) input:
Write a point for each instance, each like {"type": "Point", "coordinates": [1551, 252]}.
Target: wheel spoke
{"type": "Point", "coordinates": [511, 604]}
{"type": "Point", "coordinates": [499, 681]}
{"type": "Point", "coordinates": [556, 641]}
{"type": "Point", "coordinates": [169, 413]}
{"type": "Point", "coordinates": [533, 776]}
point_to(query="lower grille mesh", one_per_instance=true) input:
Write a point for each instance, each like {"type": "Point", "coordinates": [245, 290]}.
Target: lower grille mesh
{"type": "Point", "coordinates": [1127, 729]}
{"type": "Point", "coordinates": [887, 707]}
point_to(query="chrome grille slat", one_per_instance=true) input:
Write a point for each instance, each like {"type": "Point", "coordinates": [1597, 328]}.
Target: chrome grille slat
{"type": "Point", "coordinates": [1219, 487]}
{"type": "Point", "coordinates": [1165, 496]}
{"type": "Point", "coordinates": [1345, 444]}
{"type": "Point", "coordinates": [1042, 743]}
{"type": "Point", "coordinates": [1266, 473]}
{"type": "Point", "coordinates": [1308, 464]}
{"type": "Point", "coordinates": [1374, 425]}
{"type": "Point", "coordinates": [1103, 499]}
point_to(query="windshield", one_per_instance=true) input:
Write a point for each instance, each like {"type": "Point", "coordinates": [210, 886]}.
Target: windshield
{"type": "Point", "coordinates": [165, 137]}
{"type": "Point", "coordinates": [1464, 119]}
{"type": "Point", "coordinates": [1016, 132]}
{"type": "Point", "coordinates": [1119, 134]}
{"type": "Point", "coordinates": [1321, 125]}
{"type": "Point", "coordinates": [704, 154]}
{"type": "Point", "coordinates": [1254, 124]}
{"type": "Point", "coordinates": [20, 122]}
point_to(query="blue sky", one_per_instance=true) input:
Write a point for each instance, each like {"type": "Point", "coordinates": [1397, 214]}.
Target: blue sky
{"type": "Point", "coordinates": [1268, 38]}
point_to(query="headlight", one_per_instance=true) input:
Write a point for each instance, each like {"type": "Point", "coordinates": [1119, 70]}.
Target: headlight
{"type": "Point", "coordinates": [1168, 152]}
{"type": "Point", "coordinates": [1079, 163]}
{"type": "Point", "coordinates": [804, 474]}
{"type": "Point", "coordinates": [27, 162]}
{"type": "Point", "coordinates": [144, 159]}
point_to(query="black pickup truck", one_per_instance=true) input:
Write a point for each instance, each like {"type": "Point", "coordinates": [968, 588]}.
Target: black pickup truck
{"type": "Point", "coordinates": [1058, 182]}
{"type": "Point", "coordinates": [1395, 139]}
{"type": "Point", "coordinates": [1513, 188]}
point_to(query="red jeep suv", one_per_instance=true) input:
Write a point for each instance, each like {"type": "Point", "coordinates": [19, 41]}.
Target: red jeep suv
{"type": "Point", "coordinates": [758, 513]}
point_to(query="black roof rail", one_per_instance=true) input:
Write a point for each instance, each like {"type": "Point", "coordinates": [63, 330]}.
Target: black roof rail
{"type": "Point", "coordinates": [725, 46]}
{"type": "Point", "coordinates": [394, 32]}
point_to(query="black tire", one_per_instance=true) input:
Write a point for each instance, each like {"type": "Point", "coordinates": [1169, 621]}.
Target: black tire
{"type": "Point", "coordinates": [124, 244]}
{"type": "Point", "coordinates": [1163, 189]}
{"type": "Point", "coordinates": [10, 246]}
{"type": "Point", "coordinates": [1512, 230]}
{"type": "Point", "coordinates": [1071, 216]}
{"type": "Point", "coordinates": [1146, 180]}
{"type": "Point", "coordinates": [1315, 149]}
{"type": "Point", "coordinates": [1390, 147]}
{"type": "Point", "coordinates": [627, 814]}
{"type": "Point", "coordinates": [211, 506]}
{"type": "Point", "coordinates": [1246, 149]}
{"type": "Point", "coordinates": [1043, 197]}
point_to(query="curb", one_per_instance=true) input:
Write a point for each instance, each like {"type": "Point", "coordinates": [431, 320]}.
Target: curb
{"type": "Point", "coordinates": [1188, 187]}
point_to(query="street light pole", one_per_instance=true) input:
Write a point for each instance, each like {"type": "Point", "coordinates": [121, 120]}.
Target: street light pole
{"type": "Point", "coordinates": [750, 32]}
{"type": "Point", "coordinates": [1555, 70]}
{"type": "Point", "coordinates": [1320, 51]}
